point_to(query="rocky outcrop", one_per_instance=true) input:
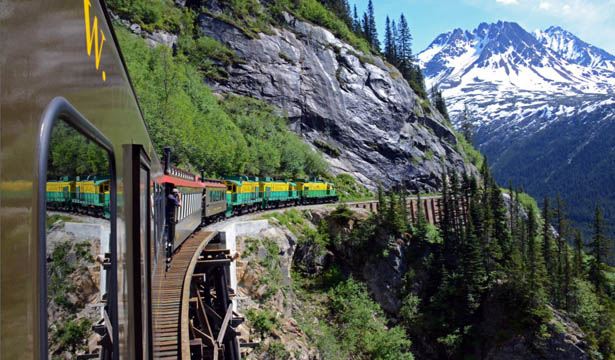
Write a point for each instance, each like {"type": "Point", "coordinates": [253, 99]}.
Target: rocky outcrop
{"type": "Point", "coordinates": [334, 94]}
{"type": "Point", "coordinates": [564, 341]}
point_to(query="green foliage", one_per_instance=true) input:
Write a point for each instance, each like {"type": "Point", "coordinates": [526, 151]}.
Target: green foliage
{"type": "Point", "coordinates": [585, 305]}
{"type": "Point", "coordinates": [327, 148]}
{"type": "Point", "coordinates": [72, 335]}
{"type": "Point", "coordinates": [150, 15]}
{"type": "Point", "coordinates": [314, 11]}
{"type": "Point", "coordinates": [233, 136]}
{"type": "Point", "coordinates": [348, 189]}
{"type": "Point", "coordinates": [59, 284]}
{"type": "Point", "coordinates": [409, 311]}
{"type": "Point", "coordinates": [286, 58]}
{"type": "Point", "coordinates": [277, 350]}
{"type": "Point", "coordinates": [468, 151]}
{"type": "Point", "coordinates": [262, 321]}
{"type": "Point", "coordinates": [72, 154]}
{"type": "Point", "coordinates": [272, 149]}
{"type": "Point", "coordinates": [292, 219]}
{"type": "Point", "coordinates": [361, 325]}
{"type": "Point", "coordinates": [55, 218]}
{"type": "Point", "coordinates": [250, 16]}
{"type": "Point", "coordinates": [342, 213]}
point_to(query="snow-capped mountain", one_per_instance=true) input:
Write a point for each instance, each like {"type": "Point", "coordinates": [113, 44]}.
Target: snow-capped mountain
{"type": "Point", "coordinates": [575, 50]}
{"type": "Point", "coordinates": [503, 57]}
{"type": "Point", "coordinates": [543, 106]}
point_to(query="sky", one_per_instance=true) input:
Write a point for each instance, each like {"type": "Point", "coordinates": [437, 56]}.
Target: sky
{"type": "Point", "coordinates": [591, 20]}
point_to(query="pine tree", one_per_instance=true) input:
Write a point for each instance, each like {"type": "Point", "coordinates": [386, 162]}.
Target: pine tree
{"type": "Point", "coordinates": [577, 262]}
{"type": "Point", "coordinates": [394, 37]}
{"type": "Point", "coordinates": [356, 23]}
{"type": "Point", "coordinates": [394, 217]}
{"type": "Point", "coordinates": [531, 250]}
{"type": "Point", "coordinates": [562, 234]}
{"type": "Point", "coordinates": [381, 203]}
{"type": "Point", "coordinates": [467, 128]}
{"type": "Point", "coordinates": [598, 249]}
{"type": "Point", "coordinates": [438, 100]}
{"type": "Point", "coordinates": [373, 32]}
{"type": "Point", "coordinates": [567, 277]}
{"type": "Point", "coordinates": [502, 247]}
{"type": "Point", "coordinates": [404, 45]}
{"type": "Point", "coordinates": [366, 29]}
{"type": "Point", "coordinates": [454, 200]}
{"type": "Point", "coordinates": [389, 42]}
{"type": "Point", "coordinates": [474, 276]}
{"type": "Point", "coordinates": [447, 230]}
{"type": "Point", "coordinates": [420, 221]}
{"type": "Point", "coordinates": [403, 208]}
{"type": "Point", "coordinates": [547, 246]}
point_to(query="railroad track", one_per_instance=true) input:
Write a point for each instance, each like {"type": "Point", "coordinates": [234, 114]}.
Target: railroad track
{"type": "Point", "coordinates": [167, 295]}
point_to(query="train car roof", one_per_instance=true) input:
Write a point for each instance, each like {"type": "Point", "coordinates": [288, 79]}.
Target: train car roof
{"type": "Point", "coordinates": [167, 179]}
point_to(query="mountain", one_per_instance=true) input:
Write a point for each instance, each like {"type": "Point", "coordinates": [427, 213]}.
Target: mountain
{"type": "Point", "coordinates": [573, 49]}
{"type": "Point", "coordinates": [353, 106]}
{"type": "Point", "coordinates": [543, 107]}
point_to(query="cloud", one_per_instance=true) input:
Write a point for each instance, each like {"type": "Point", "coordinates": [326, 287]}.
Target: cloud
{"type": "Point", "coordinates": [545, 5]}
{"type": "Point", "coordinates": [507, 2]}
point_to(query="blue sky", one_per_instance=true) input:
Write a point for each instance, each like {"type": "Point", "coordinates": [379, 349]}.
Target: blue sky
{"type": "Point", "coordinates": [591, 20]}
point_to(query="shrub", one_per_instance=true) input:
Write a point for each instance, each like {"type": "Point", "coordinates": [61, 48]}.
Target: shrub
{"type": "Point", "coordinates": [263, 321]}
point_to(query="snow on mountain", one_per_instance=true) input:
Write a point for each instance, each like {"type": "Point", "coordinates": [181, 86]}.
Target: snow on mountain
{"type": "Point", "coordinates": [543, 106]}
{"type": "Point", "coordinates": [575, 50]}
{"type": "Point", "coordinates": [503, 57]}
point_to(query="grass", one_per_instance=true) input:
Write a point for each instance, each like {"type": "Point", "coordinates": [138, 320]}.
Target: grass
{"type": "Point", "coordinates": [292, 219]}
{"type": "Point", "coordinates": [526, 200]}
{"type": "Point", "coordinates": [327, 148]}
{"type": "Point", "coordinates": [55, 218]}
{"type": "Point", "coordinates": [286, 58]}
{"type": "Point", "coordinates": [348, 189]}
{"type": "Point", "coordinates": [468, 151]}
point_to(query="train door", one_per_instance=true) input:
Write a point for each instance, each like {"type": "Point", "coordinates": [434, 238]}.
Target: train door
{"type": "Point", "coordinates": [138, 209]}
{"type": "Point", "coordinates": [290, 190]}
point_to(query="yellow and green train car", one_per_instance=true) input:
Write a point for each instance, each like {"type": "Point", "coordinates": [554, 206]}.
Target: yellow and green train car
{"type": "Point", "coordinates": [316, 191]}
{"type": "Point", "coordinates": [278, 193]}
{"type": "Point", "coordinates": [242, 194]}
{"type": "Point", "coordinates": [91, 195]}
{"type": "Point", "coordinates": [60, 193]}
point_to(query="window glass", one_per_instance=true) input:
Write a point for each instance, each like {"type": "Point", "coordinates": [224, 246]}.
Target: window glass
{"type": "Point", "coordinates": [77, 240]}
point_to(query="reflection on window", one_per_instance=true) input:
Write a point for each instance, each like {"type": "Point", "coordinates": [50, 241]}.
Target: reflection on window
{"type": "Point", "coordinates": [77, 238]}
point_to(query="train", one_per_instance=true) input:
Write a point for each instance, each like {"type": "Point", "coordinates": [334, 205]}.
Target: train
{"type": "Point", "coordinates": [221, 198]}
{"type": "Point", "coordinates": [62, 68]}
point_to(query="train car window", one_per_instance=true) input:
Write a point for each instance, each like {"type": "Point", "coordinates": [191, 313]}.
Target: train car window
{"type": "Point", "coordinates": [76, 237]}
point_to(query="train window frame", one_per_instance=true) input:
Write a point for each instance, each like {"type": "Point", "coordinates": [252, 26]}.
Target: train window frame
{"type": "Point", "coordinates": [135, 161]}
{"type": "Point", "coordinates": [59, 109]}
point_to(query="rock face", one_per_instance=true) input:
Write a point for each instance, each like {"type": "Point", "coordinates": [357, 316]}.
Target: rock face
{"type": "Point", "coordinates": [338, 98]}
{"type": "Point", "coordinates": [565, 342]}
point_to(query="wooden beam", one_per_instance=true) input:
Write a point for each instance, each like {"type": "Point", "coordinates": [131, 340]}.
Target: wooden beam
{"type": "Point", "coordinates": [227, 318]}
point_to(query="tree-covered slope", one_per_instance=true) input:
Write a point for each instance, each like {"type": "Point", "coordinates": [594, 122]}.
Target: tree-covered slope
{"type": "Point", "coordinates": [232, 135]}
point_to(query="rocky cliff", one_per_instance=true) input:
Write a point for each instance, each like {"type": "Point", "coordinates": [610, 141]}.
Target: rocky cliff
{"type": "Point", "coordinates": [354, 107]}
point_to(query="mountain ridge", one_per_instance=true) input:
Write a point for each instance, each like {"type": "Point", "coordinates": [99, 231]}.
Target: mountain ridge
{"type": "Point", "coordinates": [524, 87]}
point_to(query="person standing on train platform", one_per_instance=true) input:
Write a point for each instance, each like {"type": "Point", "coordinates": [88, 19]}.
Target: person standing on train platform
{"type": "Point", "coordinates": [174, 201]}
